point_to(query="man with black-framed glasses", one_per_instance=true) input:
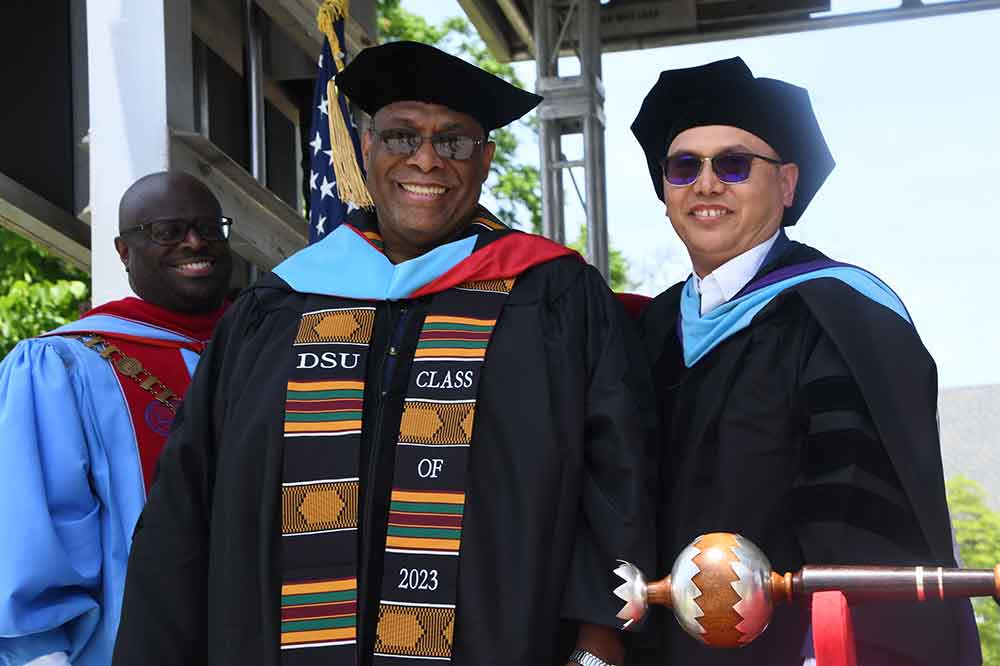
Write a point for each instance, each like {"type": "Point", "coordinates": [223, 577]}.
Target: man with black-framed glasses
{"type": "Point", "coordinates": [422, 439]}
{"type": "Point", "coordinates": [797, 403]}
{"type": "Point", "coordinates": [84, 413]}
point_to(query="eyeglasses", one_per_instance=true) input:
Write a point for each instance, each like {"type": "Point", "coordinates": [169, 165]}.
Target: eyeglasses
{"type": "Point", "coordinates": [171, 231]}
{"type": "Point", "coordinates": [684, 168]}
{"type": "Point", "coordinates": [448, 146]}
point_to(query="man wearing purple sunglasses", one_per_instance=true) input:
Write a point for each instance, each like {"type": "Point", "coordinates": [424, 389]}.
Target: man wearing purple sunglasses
{"type": "Point", "coordinates": [797, 402]}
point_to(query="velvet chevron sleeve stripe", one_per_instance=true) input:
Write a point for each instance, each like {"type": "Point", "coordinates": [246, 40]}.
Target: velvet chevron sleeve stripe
{"type": "Point", "coordinates": [846, 474]}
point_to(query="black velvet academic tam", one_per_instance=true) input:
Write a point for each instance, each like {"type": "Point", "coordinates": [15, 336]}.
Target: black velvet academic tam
{"type": "Point", "coordinates": [415, 72]}
{"type": "Point", "coordinates": [727, 93]}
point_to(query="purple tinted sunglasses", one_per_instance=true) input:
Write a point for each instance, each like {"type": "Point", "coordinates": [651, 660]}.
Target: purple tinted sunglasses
{"type": "Point", "coordinates": [683, 169]}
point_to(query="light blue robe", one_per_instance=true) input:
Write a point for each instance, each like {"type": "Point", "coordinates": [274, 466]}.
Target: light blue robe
{"type": "Point", "coordinates": [71, 490]}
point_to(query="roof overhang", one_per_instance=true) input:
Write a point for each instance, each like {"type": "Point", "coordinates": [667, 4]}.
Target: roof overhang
{"type": "Point", "coordinates": [506, 25]}
{"type": "Point", "coordinates": [29, 215]}
{"type": "Point", "coordinates": [298, 19]}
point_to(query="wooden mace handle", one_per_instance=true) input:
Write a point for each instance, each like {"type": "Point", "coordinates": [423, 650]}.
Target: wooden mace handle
{"type": "Point", "coordinates": [658, 592]}
{"type": "Point", "coordinates": [897, 583]}
{"type": "Point", "coordinates": [868, 584]}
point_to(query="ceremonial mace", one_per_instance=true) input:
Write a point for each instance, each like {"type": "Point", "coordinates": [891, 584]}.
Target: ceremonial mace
{"type": "Point", "coordinates": [722, 589]}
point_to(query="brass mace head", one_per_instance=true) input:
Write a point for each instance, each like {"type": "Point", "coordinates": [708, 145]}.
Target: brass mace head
{"type": "Point", "coordinates": [719, 589]}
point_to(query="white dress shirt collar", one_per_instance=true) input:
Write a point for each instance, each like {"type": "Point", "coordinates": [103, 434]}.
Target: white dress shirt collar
{"type": "Point", "coordinates": [726, 281]}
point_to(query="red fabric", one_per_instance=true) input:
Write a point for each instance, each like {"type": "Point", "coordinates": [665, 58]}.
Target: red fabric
{"type": "Point", "coordinates": [197, 326]}
{"type": "Point", "coordinates": [150, 418]}
{"type": "Point", "coordinates": [833, 632]}
{"type": "Point", "coordinates": [507, 257]}
{"type": "Point", "coordinates": [634, 304]}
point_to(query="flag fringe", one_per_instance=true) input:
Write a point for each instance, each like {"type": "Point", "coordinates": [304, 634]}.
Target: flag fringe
{"type": "Point", "coordinates": [329, 12]}
{"type": "Point", "coordinates": [350, 183]}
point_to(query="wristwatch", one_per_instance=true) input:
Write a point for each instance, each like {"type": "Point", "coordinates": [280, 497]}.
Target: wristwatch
{"type": "Point", "coordinates": [585, 658]}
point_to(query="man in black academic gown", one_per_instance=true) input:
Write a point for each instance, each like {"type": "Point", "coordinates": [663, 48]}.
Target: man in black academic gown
{"type": "Point", "coordinates": [797, 403]}
{"type": "Point", "coordinates": [424, 437]}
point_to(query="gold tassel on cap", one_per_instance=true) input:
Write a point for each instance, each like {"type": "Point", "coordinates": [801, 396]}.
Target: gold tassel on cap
{"type": "Point", "coordinates": [350, 183]}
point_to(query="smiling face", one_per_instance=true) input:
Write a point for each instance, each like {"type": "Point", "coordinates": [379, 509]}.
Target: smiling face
{"type": "Point", "coordinates": [423, 200]}
{"type": "Point", "coordinates": [191, 276]}
{"type": "Point", "coordinates": [719, 221]}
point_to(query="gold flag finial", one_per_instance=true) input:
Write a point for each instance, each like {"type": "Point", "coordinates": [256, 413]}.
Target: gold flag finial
{"type": "Point", "coordinates": [330, 12]}
{"type": "Point", "coordinates": [351, 186]}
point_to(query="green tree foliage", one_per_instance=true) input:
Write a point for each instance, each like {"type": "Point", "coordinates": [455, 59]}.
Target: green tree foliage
{"type": "Point", "coordinates": [38, 292]}
{"type": "Point", "coordinates": [977, 530]}
{"type": "Point", "coordinates": [616, 263]}
{"type": "Point", "coordinates": [514, 185]}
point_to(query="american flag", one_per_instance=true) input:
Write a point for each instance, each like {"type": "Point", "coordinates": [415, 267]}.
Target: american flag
{"type": "Point", "coordinates": [326, 210]}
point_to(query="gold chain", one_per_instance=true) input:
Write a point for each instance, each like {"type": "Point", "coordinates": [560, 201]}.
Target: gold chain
{"type": "Point", "coordinates": [133, 369]}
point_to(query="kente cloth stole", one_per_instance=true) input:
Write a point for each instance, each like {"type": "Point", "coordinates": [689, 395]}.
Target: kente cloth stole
{"type": "Point", "coordinates": [320, 512]}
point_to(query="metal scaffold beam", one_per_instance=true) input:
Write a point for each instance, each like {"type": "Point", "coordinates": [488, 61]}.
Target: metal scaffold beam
{"type": "Point", "coordinates": [572, 105]}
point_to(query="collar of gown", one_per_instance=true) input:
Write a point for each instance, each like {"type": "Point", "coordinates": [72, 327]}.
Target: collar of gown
{"type": "Point", "coordinates": [159, 322]}
{"type": "Point", "coordinates": [347, 264]}
{"type": "Point", "coordinates": [728, 279]}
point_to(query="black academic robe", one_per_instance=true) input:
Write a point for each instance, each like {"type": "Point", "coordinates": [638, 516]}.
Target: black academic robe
{"type": "Point", "coordinates": [813, 433]}
{"type": "Point", "coordinates": [558, 485]}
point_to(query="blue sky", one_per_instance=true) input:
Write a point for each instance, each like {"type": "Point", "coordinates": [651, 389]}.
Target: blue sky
{"type": "Point", "coordinates": [911, 111]}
